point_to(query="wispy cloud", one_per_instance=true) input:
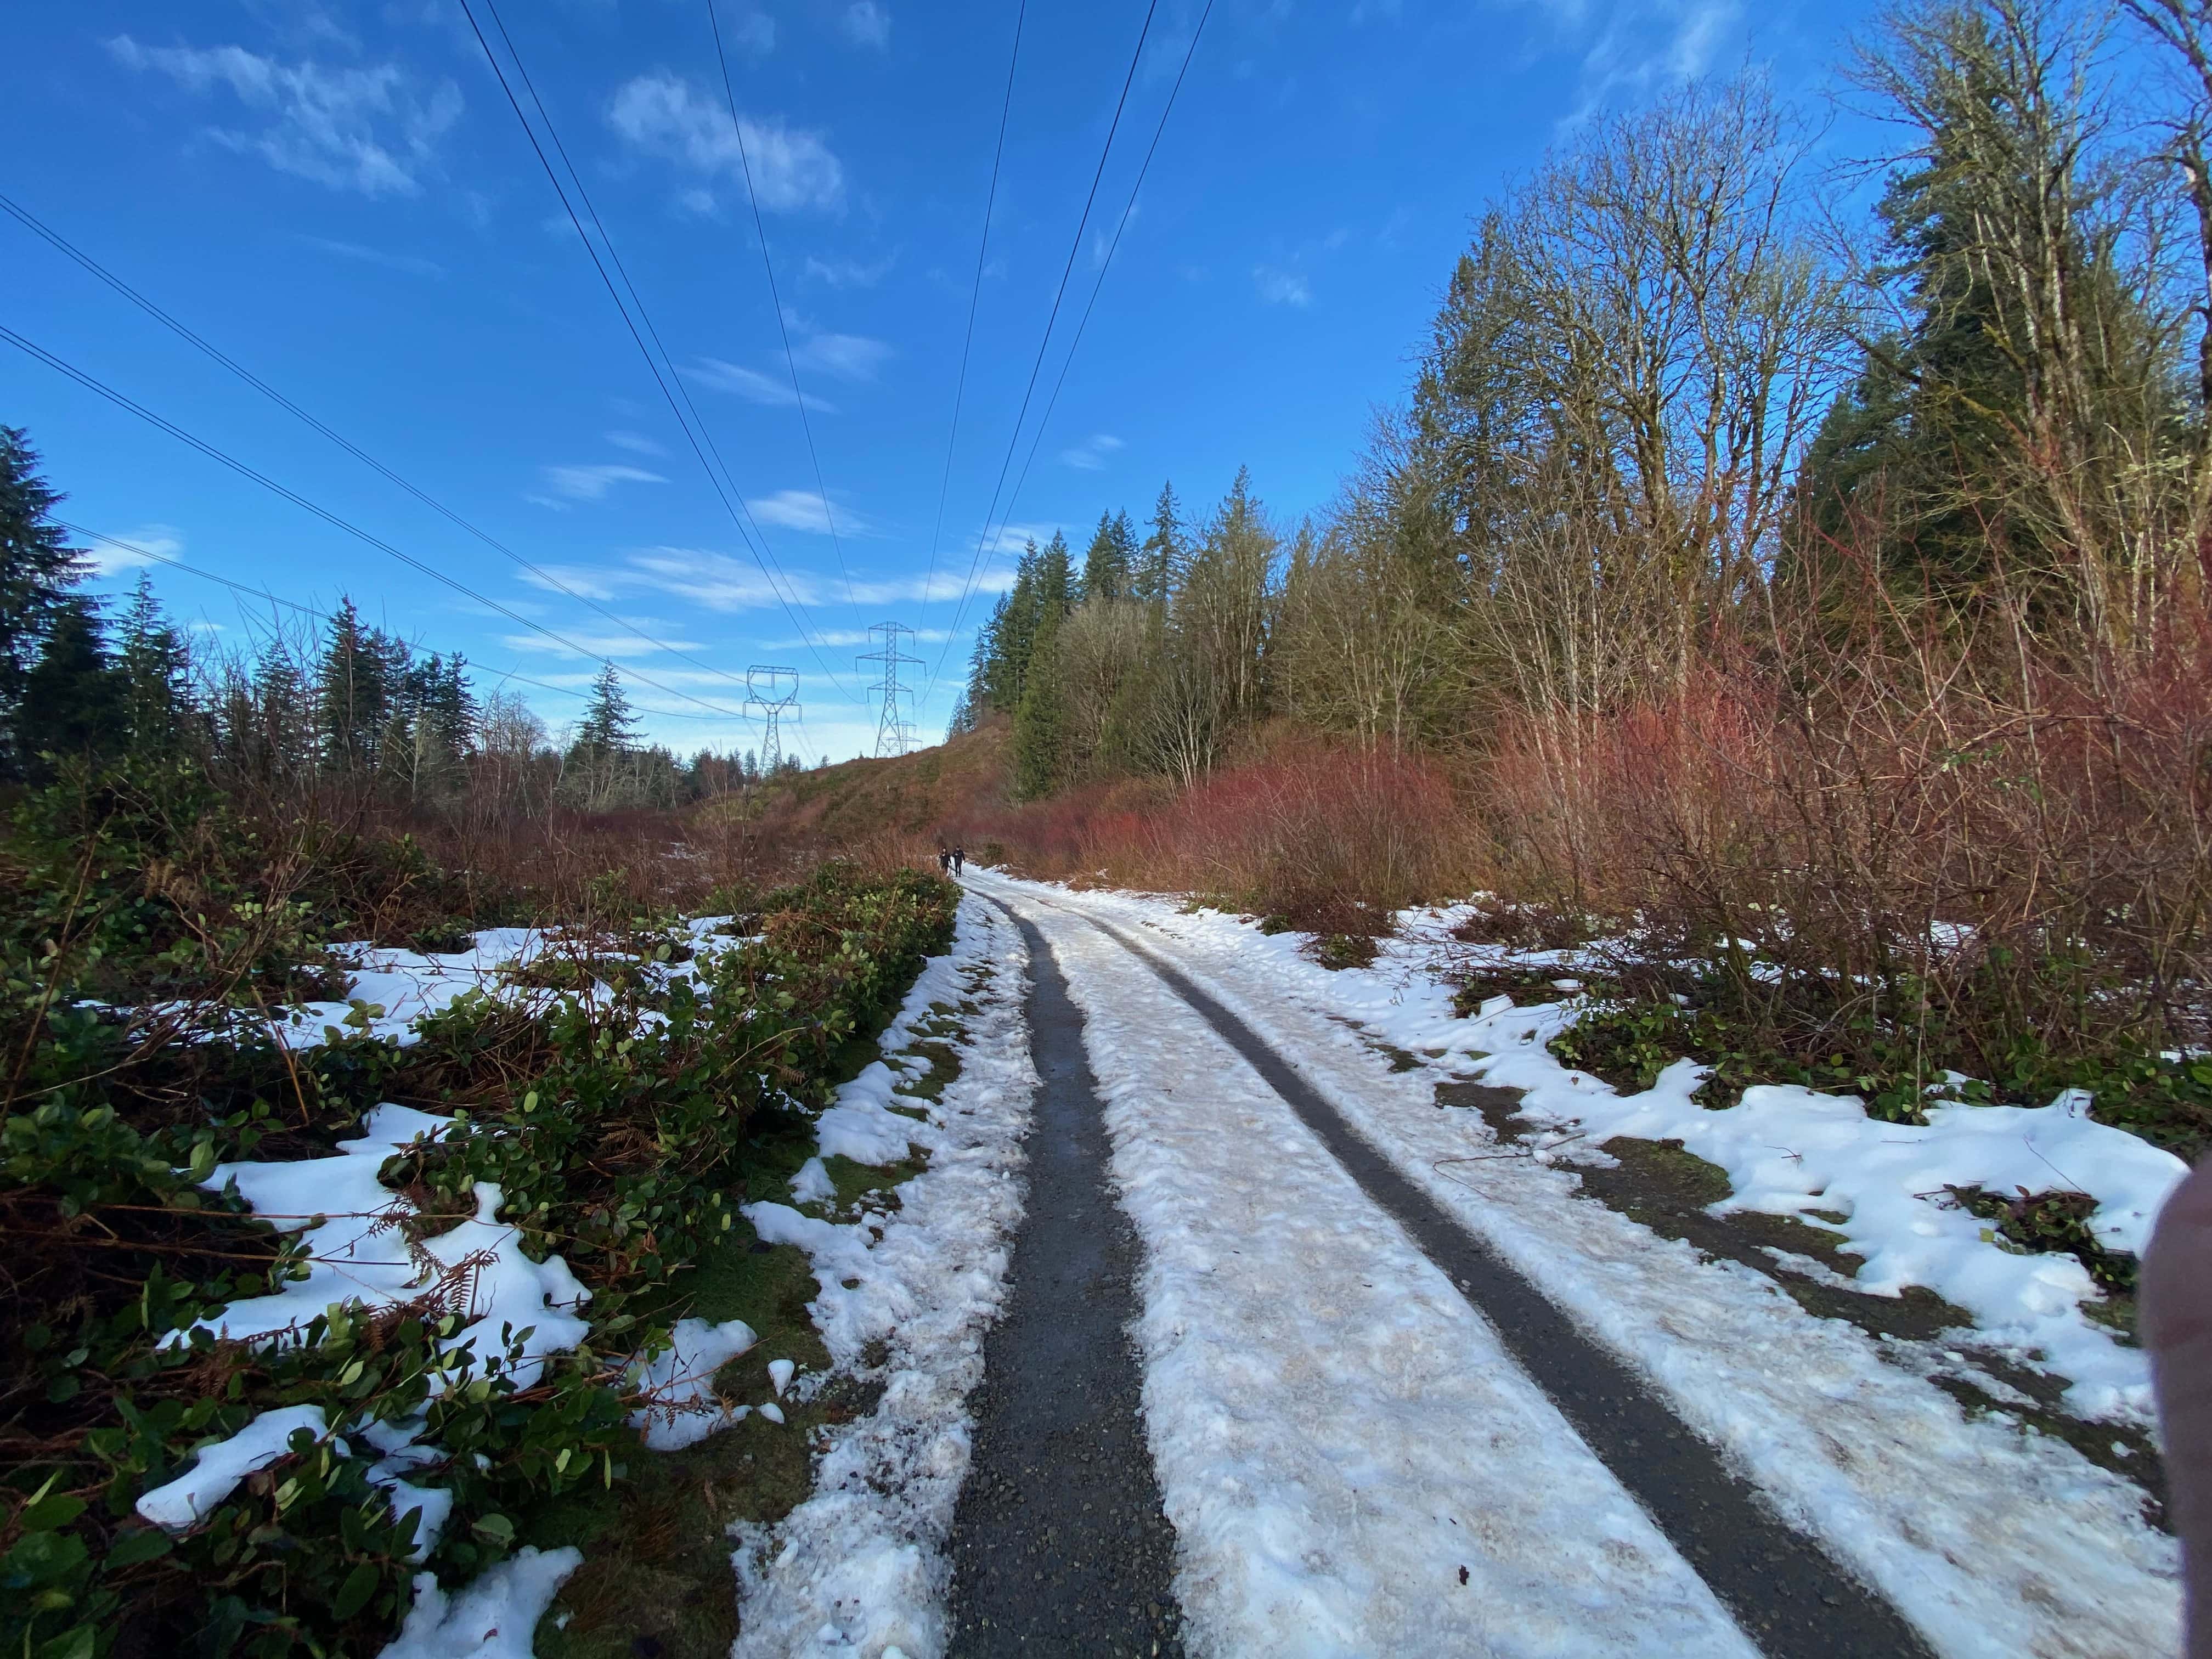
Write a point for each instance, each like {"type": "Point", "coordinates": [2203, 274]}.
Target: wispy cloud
{"type": "Point", "coordinates": [750, 384]}
{"type": "Point", "coordinates": [371, 129]}
{"type": "Point", "coordinates": [846, 356]}
{"type": "Point", "coordinates": [831, 638]}
{"type": "Point", "coordinates": [805, 509]}
{"type": "Point", "coordinates": [754, 32]}
{"type": "Point", "coordinates": [1090, 455]}
{"type": "Point", "coordinates": [159, 541]}
{"type": "Point", "coordinates": [407, 262]}
{"type": "Point", "coordinates": [716, 582]}
{"type": "Point", "coordinates": [850, 273]}
{"type": "Point", "coordinates": [588, 484]}
{"type": "Point", "coordinates": [1279, 287]}
{"type": "Point", "coordinates": [636, 442]}
{"type": "Point", "coordinates": [664, 115]}
{"type": "Point", "coordinates": [867, 24]}
{"type": "Point", "coordinates": [598, 644]}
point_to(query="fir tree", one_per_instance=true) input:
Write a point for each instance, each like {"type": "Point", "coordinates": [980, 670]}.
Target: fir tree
{"type": "Point", "coordinates": [609, 726]}
{"type": "Point", "coordinates": [154, 663]}
{"type": "Point", "coordinates": [353, 697]}
{"type": "Point", "coordinates": [1106, 565]}
{"type": "Point", "coordinates": [74, 696]}
{"type": "Point", "coordinates": [1160, 559]}
{"type": "Point", "coordinates": [37, 568]}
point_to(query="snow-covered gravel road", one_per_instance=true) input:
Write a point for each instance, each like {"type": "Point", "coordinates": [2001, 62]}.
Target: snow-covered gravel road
{"type": "Point", "coordinates": [1353, 1459]}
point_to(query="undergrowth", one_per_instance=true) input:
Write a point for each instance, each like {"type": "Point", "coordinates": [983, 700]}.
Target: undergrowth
{"type": "Point", "coordinates": [144, 910]}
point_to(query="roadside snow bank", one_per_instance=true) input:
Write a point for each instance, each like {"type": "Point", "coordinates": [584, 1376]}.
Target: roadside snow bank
{"type": "Point", "coordinates": [859, 1568]}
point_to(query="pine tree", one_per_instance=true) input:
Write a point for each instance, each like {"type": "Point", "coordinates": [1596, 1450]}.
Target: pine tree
{"type": "Point", "coordinates": [37, 566]}
{"type": "Point", "coordinates": [74, 696]}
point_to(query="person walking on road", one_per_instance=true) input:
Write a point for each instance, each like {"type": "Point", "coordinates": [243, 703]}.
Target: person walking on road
{"type": "Point", "coordinates": [944, 861]}
{"type": "Point", "coordinates": [960, 859]}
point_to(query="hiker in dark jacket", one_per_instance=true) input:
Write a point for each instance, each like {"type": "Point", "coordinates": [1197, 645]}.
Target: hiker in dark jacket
{"type": "Point", "coordinates": [944, 861]}
{"type": "Point", "coordinates": [960, 859]}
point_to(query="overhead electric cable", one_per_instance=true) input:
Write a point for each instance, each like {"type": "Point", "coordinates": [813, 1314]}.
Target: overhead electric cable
{"type": "Point", "coordinates": [254, 592]}
{"type": "Point", "coordinates": [783, 327]}
{"type": "Point", "coordinates": [31, 222]}
{"type": "Point", "coordinates": [762, 554]}
{"type": "Point", "coordinates": [974, 298]}
{"type": "Point", "coordinates": [1075, 344]}
{"type": "Point", "coordinates": [1014, 438]}
{"type": "Point", "coordinates": [92, 383]}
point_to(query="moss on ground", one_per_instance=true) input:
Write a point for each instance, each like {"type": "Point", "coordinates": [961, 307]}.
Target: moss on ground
{"type": "Point", "coordinates": [656, 1582]}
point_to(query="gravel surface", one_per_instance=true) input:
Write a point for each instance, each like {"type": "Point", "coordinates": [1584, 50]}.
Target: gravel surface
{"type": "Point", "coordinates": [1058, 1544]}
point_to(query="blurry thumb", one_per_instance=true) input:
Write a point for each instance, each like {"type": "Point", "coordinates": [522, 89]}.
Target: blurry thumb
{"type": "Point", "coordinates": [2175, 1317]}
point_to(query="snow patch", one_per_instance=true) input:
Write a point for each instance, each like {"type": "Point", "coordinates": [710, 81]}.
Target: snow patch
{"type": "Point", "coordinates": [860, 1567]}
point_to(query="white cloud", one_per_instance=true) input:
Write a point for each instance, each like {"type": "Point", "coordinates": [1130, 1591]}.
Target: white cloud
{"type": "Point", "coordinates": [755, 33]}
{"type": "Point", "coordinates": [407, 262]}
{"type": "Point", "coordinates": [636, 442]}
{"type": "Point", "coordinates": [867, 24]}
{"type": "Point", "coordinates": [588, 484]}
{"type": "Point", "coordinates": [148, 544]}
{"type": "Point", "coordinates": [1279, 287]}
{"type": "Point", "coordinates": [848, 356]}
{"type": "Point", "coordinates": [1090, 455]}
{"type": "Point", "coordinates": [830, 638]}
{"type": "Point", "coordinates": [716, 582]}
{"type": "Point", "coordinates": [792, 168]}
{"type": "Point", "coordinates": [850, 273]}
{"type": "Point", "coordinates": [803, 509]}
{"type": "Point", "coordinates": [598, 644]}
{"type": "Point", "coordinates": [373, 130]}
{"type": "Point", "coordinates": [750, 384]}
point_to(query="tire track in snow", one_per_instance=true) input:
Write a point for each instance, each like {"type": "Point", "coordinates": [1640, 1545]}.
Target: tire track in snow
{"type": "Point", "coordinates": [1780, 1586]}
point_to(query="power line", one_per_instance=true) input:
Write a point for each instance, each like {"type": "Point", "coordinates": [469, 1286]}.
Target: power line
{"type": "Point", "coordinates": [92, 383]}
{"type": "Point", "coordinates": [1014, 438]}
{"type": "Point", "coordinates": [1075, 344]}
{"type": "Point", "coordinates": [31, 222]}
{"type": "Point", "coordinates": [250, 592]}
{"type": "Point", "coordinates": [783, 328]}
{"type": "Point", "coordinates": [762, 554]}
{"type": "Point", "coordinates": [974, 299]}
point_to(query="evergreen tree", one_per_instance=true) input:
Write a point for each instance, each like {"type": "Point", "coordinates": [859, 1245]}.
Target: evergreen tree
{"type": "Point", "coordinates": [74, 696]}
{"type": "Point", "coordinates": [353, 697]}
{"type": "Point", "coordinates": [609, 726]}
{"type": "Point", "coordinates": [1106, 566]}
{"type": "Point", "coordinates": [1040, 715]}
{"type": "Point", "coordinates": [1160, 559]}
{"type": "Point", "coordinates": [1012, 635]}
{"type": "Point", "coordinates": [154, 663]}
{"type": "Point", "coordinates": [37, 566]}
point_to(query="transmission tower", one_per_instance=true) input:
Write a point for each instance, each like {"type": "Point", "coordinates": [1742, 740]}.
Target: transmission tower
{"type": "Point", "coordinates": [894, 731]}
{"type": "Point", "coordinates": [775, 692]}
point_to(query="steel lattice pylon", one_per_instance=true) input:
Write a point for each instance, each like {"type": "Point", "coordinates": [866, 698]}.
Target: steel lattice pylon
{"type": "Point", "coordinates": [894, 731]}
{"type": "Point", "coordinates": [775, 692]}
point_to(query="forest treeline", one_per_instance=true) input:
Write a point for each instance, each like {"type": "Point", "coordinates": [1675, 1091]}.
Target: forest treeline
{"type": "Point", "coordinates": [343, 706]}
{"type": "Point", "coordinates": [1829, 580]}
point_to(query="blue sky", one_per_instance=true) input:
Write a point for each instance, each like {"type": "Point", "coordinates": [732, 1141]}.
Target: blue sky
{"type": "Point", "coordinates": [339, 196]}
